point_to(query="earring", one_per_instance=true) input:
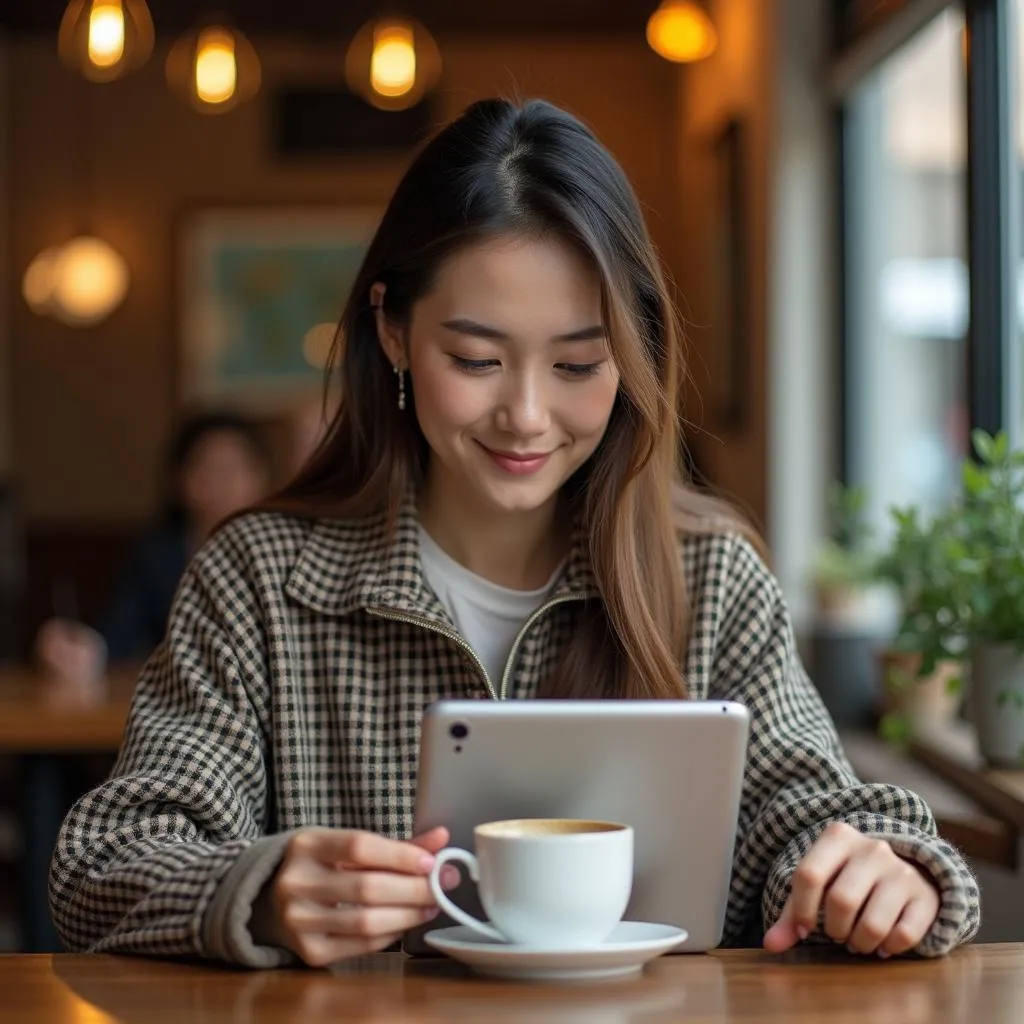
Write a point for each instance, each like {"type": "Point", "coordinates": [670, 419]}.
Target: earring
{"type": "Point", "coordinates": [401, 387]}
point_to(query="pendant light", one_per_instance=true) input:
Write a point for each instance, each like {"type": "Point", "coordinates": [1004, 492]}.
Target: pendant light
{"type": "Point", "coordinates": [79, 283]}
{"type": "Point", "coordinates": [214, 67]}
{"type": "Point", "coordinates": [392, 63]}
{"type": "Point", "coordinates": [681, 31]}
{"type": "Point", "coordinates": [105, 39]}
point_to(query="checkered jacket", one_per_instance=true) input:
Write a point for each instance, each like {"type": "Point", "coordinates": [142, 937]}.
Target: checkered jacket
{"type": "Point", "coordinates": [289, 690]}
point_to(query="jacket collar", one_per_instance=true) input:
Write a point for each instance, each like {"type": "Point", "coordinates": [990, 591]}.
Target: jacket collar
{"type": "Point", "coordinates": [345, 565]}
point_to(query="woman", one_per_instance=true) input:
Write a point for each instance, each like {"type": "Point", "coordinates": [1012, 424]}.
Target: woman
{"type": "Point", "coordinates": [493, 513]}
{"type": "Point", "coordinates": [217, 464]}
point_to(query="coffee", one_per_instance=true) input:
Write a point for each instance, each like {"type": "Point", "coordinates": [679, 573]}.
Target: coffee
{"type": "Point", "coordinates": [545, 827]}
{"type": "Point", "coordinates": [546, 882]}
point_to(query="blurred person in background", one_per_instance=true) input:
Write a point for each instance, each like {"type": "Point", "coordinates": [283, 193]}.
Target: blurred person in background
{"type": "Point", "coordinates": [218, 463]}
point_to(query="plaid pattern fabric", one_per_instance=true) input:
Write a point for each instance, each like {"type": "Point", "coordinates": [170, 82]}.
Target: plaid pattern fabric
{"type": "Point", "coordinates": [289, 690]}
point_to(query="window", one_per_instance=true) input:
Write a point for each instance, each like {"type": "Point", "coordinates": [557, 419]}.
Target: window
{"type": "Point", "coordinates": [1015, 413]}
{"type": "Point", "coordinates": [906, 295]}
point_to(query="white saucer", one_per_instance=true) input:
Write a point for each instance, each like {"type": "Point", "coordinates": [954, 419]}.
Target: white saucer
{"type": "Point", "coordinates": [630, 945]}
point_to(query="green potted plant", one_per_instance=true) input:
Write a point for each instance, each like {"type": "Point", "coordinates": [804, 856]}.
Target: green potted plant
{"type": "Point", "coordinates": [843, 567]}
{"type": "Point", "coordinates": [916, 702]}
{"type": "Point", "coordinates": [960, 575]}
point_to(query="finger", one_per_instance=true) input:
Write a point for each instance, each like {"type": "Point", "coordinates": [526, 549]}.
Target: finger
{"type": "Point", "coordinates": [363, 850]}
{"type": "Point", "coordinates": [366, 888]}
{"type": "Point", "coordinates": [850, 891]}
{"type": "Point", "coordinates": [373, 922]}
{"type": "Point", "coordinates": [913, 925]}
{"type": "Point", "coordinates": [813, 875]}
{"type": "Point", "coordinates": [782, 935]}
{"type": "Point", "coordinates": [305, 918]}
{"type": "Point", "coordinates": [433, 841]}
{"type": "Point", "coordinates": [881, 912]}
{"type": "Point", "coordinates": [324, 950]}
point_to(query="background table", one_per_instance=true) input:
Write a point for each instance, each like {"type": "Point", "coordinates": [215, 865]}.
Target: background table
{"type": "Point", "coordinates": [977, 985]}
{"type": "Point", "coordinates": [43, 725]}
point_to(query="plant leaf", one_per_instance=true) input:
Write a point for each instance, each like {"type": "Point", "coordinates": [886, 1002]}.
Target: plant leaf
{"type": "Point", "coordinates": [983, 444]}
{"type": "Point", "coordinates": [894, 728]}
{"type": "Point", "coordinates": [973, 478]}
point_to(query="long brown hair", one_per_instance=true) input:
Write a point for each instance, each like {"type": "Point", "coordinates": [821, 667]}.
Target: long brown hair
{"type": "Point", "coordinates": [534, 169]}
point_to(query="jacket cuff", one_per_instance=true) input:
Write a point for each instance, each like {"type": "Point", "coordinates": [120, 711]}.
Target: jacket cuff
{"type": "Point", "coordinates": [226, 934]}
{"type": "Point", "coordinates": [959, 897]}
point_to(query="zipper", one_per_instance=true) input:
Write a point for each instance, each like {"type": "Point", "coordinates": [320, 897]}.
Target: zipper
{"type": "Point", "coordinates": [503, 688]}
{"type": "Point", "coordinates": [502, 692]}
{"type": "Point", "coordinates": [430, 624]}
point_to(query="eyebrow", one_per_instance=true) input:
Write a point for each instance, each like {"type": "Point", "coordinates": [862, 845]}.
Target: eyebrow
{"type": "Point", "coordinates": [473, 329]}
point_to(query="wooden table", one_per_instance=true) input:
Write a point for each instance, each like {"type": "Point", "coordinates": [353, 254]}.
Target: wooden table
{"type": "Point", "coordinates": [977, 985]}
{"type": "Point", "coordinates": [42, 724]}
{"type": "Point", "coordinates": [38, 717]}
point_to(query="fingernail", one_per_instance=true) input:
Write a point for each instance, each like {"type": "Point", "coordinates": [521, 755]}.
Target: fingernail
{"type": "Point", "coordinates": [883, 955]}
{"type": "Point", "coordinates": [802, 932]}
{"type": "Point", "coordinates": [427, 862]}
{"type": "Point", "coordinates": [449, 878]}
{"type": "Point", "coordinates": [430, 913]}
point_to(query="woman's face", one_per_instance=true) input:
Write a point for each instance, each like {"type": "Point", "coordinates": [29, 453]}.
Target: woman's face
{"type": "Point", "coordinates": [508, 359]}
{"type": "Point", "coordinates": [221, 476]}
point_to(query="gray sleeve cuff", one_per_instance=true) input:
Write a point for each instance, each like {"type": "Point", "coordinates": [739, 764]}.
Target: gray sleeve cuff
{"type": "Point", "coordinates": [959, 897]}
{"type": "Point", "coordinates": [226, 934]}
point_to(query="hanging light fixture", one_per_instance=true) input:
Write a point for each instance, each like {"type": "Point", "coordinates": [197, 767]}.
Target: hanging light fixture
{"type": "Point", "coordinates": [79, 283]}
{"type": "Point", "coordinates": [214, 67]}
{"type": "Point", "coordinates": [105, 39]}
{"type": "Point", "coordinates": [392, 63]}
{"type": "Point", "coordinates": [681, 31]}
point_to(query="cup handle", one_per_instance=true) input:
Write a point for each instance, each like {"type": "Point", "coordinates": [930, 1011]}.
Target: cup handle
{"type": "Point", "coordinates": [453, 853]}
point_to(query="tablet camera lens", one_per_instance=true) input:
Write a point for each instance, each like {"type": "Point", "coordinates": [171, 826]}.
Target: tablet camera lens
{"type": "Point", "coordinates": [459, 731]}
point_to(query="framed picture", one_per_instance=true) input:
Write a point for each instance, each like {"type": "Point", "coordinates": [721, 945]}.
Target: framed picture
{"type": "Point", "coordinates": [260, 293]}
{"type": "Point", "coordinates": [730, 353]}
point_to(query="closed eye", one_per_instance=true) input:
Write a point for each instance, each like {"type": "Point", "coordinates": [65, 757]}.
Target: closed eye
{"type": "Point", "coordinates": [579, 369]}
{"type": "Point", "coordinates": [474, 365]}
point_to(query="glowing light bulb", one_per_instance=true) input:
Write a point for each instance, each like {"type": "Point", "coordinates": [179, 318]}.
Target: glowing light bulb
{"type": "Point", "coordinates": [106, 33]}
{"type": "Point", "coordinates": [216, 70]}
{"type": "Point", "coordinates": [105, 39]}
{"type": "Point", "coordinates": [681, 32]}
{"type": "Point", "coordinates": [393, 62]}
{"type": "Point", "coordinates": [79, 283]}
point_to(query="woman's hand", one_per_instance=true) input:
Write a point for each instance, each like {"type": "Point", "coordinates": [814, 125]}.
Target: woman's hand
{"type": "Point", "coordinates": [874, 901]}
{"type": "Point", "coordinates": [341, 893]}
{"type": "Point", "coordinates": [71, 652]}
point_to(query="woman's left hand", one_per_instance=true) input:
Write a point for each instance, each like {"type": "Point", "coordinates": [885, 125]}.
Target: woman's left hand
{"type": "Point", "coordinates": [874, 901]}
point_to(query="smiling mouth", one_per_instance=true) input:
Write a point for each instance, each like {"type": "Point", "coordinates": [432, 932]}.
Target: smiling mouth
{"type": "Point", "coordinates": [517, 463]}
{"type": "Point", "coordinates": [520, 456]}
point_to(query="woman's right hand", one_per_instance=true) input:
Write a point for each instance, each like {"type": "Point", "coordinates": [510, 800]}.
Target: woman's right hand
{"type": "Point", "coordinates": [341, 893]}
{"type": "Point", "coordinates": [71, 652]}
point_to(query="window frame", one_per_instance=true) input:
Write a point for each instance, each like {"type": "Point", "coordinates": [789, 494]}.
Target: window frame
{"type": "Point", "coordinates": [993, 229]}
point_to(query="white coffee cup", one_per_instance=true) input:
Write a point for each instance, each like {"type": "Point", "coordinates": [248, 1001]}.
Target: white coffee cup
{"type": "Point", "coordinates": [546, 882]}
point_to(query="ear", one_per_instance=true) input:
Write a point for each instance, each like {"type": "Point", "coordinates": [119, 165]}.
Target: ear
{"type": "Point", "coordinates": [389, 336]}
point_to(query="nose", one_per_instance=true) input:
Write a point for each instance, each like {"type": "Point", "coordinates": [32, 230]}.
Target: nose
{"type": "Point", "coordinates": [523, 406]}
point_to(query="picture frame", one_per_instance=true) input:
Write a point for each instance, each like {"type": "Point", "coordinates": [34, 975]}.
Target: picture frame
{"type": "Point", "coordinates": [730, 350]}
{"type": "Point", "coordinates": [260, 291]}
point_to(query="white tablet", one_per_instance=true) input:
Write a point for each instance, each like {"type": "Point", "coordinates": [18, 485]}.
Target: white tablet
{"type": "Point", "coordinates": [671, 769]}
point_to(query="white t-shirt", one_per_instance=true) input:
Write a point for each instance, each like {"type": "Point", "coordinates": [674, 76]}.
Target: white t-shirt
{"type": "Point", "coordinates": [488, 616]}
